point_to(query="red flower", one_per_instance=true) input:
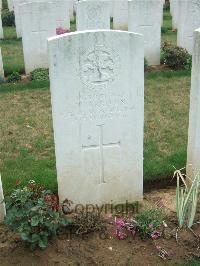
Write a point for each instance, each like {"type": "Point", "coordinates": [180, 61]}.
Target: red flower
{"type": "Point", "coordinates": [52, 201]}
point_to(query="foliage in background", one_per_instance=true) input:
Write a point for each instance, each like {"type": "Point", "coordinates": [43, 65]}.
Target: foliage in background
{"type": "Point", "coordinates": [166, 5]}
{"type": "Point", "coordinates": [33, 212]}
{"type": "Point", "coordinates": [175, 57]}
{"type": "Point", "coordinates": [8, 18]}
{"type": "Point", "coordinates": [186, 198]}
{"type": "Point", "coordinates": [149, 222]}
{"type": "Point", "coordinates": [14, 77]}
{"type": "Point", "coordinates": [40, 74]}
{"type": "Point", "coordinates": [145, 64]}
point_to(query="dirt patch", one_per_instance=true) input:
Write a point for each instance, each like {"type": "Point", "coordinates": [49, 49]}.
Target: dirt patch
{"type": "Point", "coordinates": [158, 68]}
{"type": "Point", "coordinates": [104, 249]}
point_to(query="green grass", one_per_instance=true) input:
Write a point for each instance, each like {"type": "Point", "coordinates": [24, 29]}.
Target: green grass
{"type": "Point", "coordinates": [9, 33]}
{"type": "Point", "coordinates": [12, 56]}
{"type": "Point", "coordinates": [27, 148]}
{"type": "Point", "coordinates": [169, 35]}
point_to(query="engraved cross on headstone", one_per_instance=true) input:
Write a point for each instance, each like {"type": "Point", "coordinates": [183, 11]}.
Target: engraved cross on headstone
{"type": "Point", "coordinates": [101, 146]}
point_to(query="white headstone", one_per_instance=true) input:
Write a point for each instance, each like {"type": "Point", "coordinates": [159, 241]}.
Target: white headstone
{"type": "Point", "coordinates": [120, 15]}
{"type": "Point", "coordinates": [16, 6]}
{"type": "Point", "coordinates": [1, 27]}
{"type": "Point", "coordinates": [18, 15]}
{"type": "Point", "coordinates": [145, 18]}
{"type": "Point", "coordinates": [10, 5]}
{"type": "Point", "coordinates": [2, 204]}
{"type": "Point", "coordinates": [39, 22]}
{"type": "Point", "coordinates": [1, 66]}
{"type": "Point", "coordinates": [189, 20]}
{"type": "Point", "coordinates": [92, 15]}
{"type": "Point", "coordinates": [193, 153]}
{"type": "Point", "coordinates": [97, 95]}
{"type": "Point", "coordinates": [174, 9]}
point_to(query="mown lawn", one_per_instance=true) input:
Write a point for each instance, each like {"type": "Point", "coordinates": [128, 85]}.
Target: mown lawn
{"type": "Point", "coordinates": [27, 149]}
{"type": "Point", "coordinates": [168, 35]}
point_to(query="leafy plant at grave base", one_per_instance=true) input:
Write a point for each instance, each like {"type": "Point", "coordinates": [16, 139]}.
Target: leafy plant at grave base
{"type": "Point", "coordinates": [86, 222]}
{"type": "Point", "coordinates": [15, 76]}
{"type": "Point", "coordinates": [149, 222]}
{"type": "Point", "coordinates": [33, 212]}
{"type": "Point", "coordinates": [175, 57]}
{"type": "Point", "coordinates": [61, 30]}
{"type": "Point", "coordinates": [145, 64]}
{"type": "Point", "coordinates": [186, 198]}
{"type": "Point", "coordinates": [8, 18]}
{"type": "Point", "coordinates": [40, 74]}
{"type": "Point", "coordinates": [189, 63]}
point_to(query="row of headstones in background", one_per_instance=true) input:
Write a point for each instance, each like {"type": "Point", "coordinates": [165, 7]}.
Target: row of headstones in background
{"type": "Point", "coordinates": [16, 7]}
{"type": "Point", "coordinates": [97, 90]}
{"type": "Point", "coordinates": [185, 18]}
{"type": "Point", "coordinates": [144, 16]}
{"type": "Point", "coordinates": [39, 21]}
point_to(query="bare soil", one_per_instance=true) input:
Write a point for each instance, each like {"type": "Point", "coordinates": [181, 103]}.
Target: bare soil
{"type": "Point", "coordinates": [93, 249]}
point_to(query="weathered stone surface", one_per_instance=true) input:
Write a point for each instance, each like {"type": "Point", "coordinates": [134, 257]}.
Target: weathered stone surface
{"type": "Point", "coordinates": [1, 27]}
{"type": "Point", "coordinates": [2, 204]}
{"type": "Point", "coordinates": [189, 20]}
{"type": "Point", "coordinates": [145, 18]}
{"type": "Point", "coordinates": [10, 5]}
{"type": "Point", "coordinates": [193, 153]}
{"type": "Point", "coordinates": [92, 15]}
{"type": "Point", "coordinates": [174, 10]}
{"type": "Point", "coordinates": [1, 66]}
{"type": "Point", "coordinates": [97, 91]}
{"type": "Point", "coordinates": [35, 30]}
{"type": "Point", "coordinates": [120, 15]}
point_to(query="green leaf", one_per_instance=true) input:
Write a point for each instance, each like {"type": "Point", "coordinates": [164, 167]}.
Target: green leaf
{"type": "Point", "coordinates": [34, 221]}
{"type": "Point", "coordinates": [24, 236]}
{"type": "Point", "coordinates": [42, 243]}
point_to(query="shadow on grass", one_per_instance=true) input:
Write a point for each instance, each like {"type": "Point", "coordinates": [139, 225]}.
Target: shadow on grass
{"type": "Point", "coordinates": [167, 74]}
{"type": "Point", "coordinates": [32, 85]}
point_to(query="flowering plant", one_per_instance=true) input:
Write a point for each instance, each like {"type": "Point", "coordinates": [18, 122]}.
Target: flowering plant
{"type": "Point", "coordinates": [123, 227]}
{"type": "Point", "coordinates": [149, 221]}
{"type": "Point", "coordinates": [33, 212]}
{"type": "Point", "coordinates": [61, 30]}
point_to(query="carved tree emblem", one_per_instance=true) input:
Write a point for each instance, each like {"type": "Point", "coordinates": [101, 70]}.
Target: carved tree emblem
{"type": "Point", "coordinates": [98, 66]}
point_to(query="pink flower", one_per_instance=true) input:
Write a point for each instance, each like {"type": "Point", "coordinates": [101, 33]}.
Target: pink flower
{"type": "Point", "coordinates": [155, 235]}
{"type": "Point", "coordinates": [119, 222]}
{"type": "Point", "coordinates": [120, 234]}
{"type": "Point", "coordinates": [60, 31]}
